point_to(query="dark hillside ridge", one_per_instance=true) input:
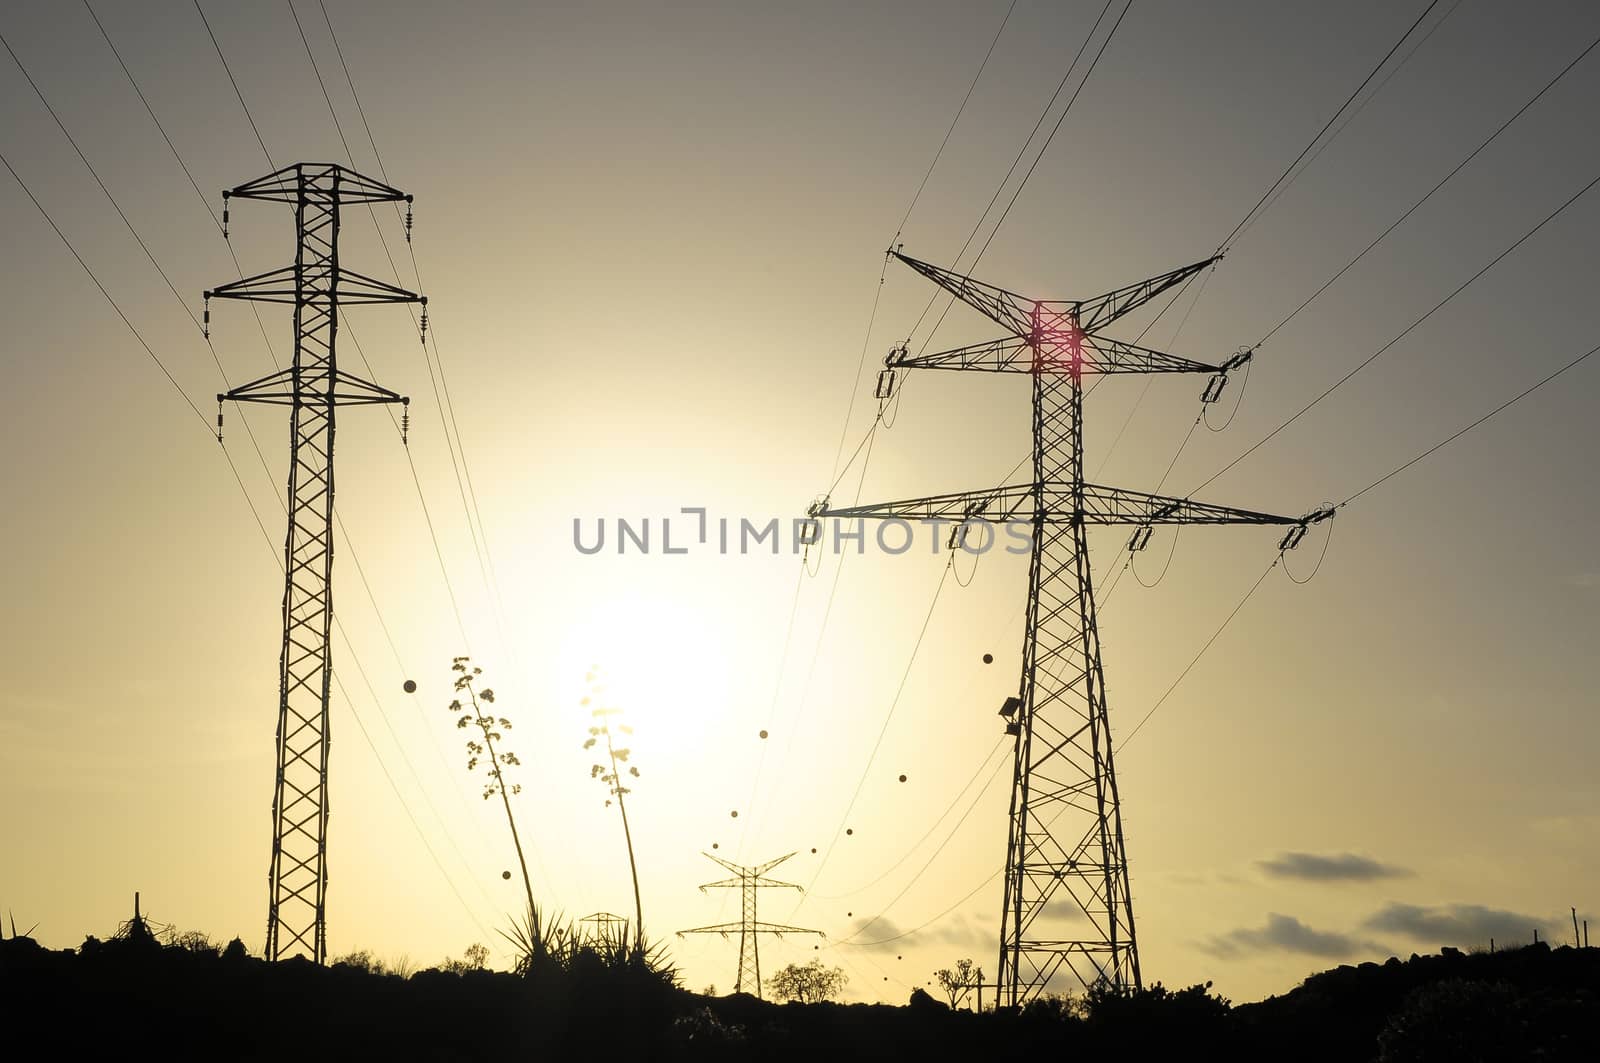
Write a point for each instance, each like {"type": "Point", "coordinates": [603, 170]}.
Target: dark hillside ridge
{"type": "Point", "coordinates": [174, 1002]}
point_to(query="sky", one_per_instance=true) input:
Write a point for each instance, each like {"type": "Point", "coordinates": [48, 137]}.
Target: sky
{"type": "Point", "coordinates": [652, 239]}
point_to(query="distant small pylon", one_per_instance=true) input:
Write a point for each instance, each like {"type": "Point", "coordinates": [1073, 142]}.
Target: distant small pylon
{"type": "Point", "coordinates": [602, 927]}
{"type": "Point", "coordinates": [749, 880]}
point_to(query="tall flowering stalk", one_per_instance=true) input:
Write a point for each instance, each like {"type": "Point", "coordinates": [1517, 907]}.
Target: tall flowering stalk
{"type": "Point", "coordinates": [491, 727]}
{"type": "Point", "coordinates": [612, 778]}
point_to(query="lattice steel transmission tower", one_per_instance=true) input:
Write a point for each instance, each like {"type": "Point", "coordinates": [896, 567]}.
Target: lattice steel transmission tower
{"type": "Point", "coordinates": [1065, 823]}
{"type": "Point", "coordinates": [313, 387]}
{"type": "Point", "coordinates": [748, 880]}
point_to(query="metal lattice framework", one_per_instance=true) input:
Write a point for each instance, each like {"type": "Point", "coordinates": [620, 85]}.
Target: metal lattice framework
{"type": "Point", "coordinates": [1065, 846]}
{"type": "Point", "coordinates": [313, 387]}
{"type": "Point", "coordinates": [748, 880]}
{"type": "Point", "coordinates": [603, 928]}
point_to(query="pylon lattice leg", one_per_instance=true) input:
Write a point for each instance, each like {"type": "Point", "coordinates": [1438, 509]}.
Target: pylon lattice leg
{"type": "Point", "coordinates": [1065, 846]}
{"type": "Point", "coordinates": [298, 877]}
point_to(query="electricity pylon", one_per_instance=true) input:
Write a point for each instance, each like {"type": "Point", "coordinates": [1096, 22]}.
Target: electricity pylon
{"type": "Point", "coordinates": [312, 387]}
{"type": "Point", "coordinates": [748, 880]}
{"type": "Point", "coordinates": [1064, 832]}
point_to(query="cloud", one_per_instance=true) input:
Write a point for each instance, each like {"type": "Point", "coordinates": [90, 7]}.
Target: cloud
{"type": "Point", "coordinates": [1339, 867]}
{"type": "Point", "coordinates": [1455, 924]}
{"type": "Point", "coordinates": [883, 934]}
{"type": "Point", "coordinates": [1065, 910]}
{"type": "Point", "coordinates": [1285, 933]}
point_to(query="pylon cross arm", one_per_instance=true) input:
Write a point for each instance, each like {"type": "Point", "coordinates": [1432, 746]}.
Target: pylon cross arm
{"type": "Point", "coordinates": [1011, 311]}
{"type": "Point", "coordinates": [1016, 354]}
{"type": "Point", "coordinates": [278, 389]}
{"type": "Point", "coordinates": [1102, 310]}
{"type": "Point", "coordinates": [720, 928]}
{"type": "Point", "coordinates": [1096, 505]}
{"type": "Point", "coordinates": [779, 928]}
{"type": "Point", "coordinates": [286, 286]}
{"type": "Point", "coordinates": [285, 185]}
{"type": "Point", "coordinates": [1020, 315]}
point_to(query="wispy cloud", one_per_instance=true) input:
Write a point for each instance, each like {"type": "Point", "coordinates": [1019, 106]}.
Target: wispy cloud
{"type": "Point", "coordinates": [1455, 924]}
{"type": "Point", "coordinates": [1337, 867]}
{"type": "Point", "coordinates": [1285, 933]}
{"type": "Point", "coordinates": [883, 934]}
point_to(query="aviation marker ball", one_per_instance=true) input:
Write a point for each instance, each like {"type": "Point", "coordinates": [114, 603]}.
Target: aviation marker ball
{"type": "Point", "coordinates": [988, 658]}
{"type": "Point", "coordinates": [411, 686]}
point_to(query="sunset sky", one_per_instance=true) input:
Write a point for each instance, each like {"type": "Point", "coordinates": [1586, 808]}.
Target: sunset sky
{"type": "Point", "coordinates": [651, 236]}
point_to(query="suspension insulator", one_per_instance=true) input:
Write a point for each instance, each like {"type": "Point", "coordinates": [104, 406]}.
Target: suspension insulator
{"type": "Point", "coordinates": [408, 223]}
{"type": "Point", "coordinates": [224, 215]}
{"type": "Point", "coordinates": [424, 331]}
{"type": "Point", "coordinates": [1292, 537]}
{"type": "Point", "coordinates": [885, 388]}
{"type": "Point", "coordinates": [219, 418]}
{"type": "Point", "coordinates": [205, 320]}
{"type": "Point", "coordinates": [1214, 388]}
{"type": "Point", "coordinates": [1140, 538]}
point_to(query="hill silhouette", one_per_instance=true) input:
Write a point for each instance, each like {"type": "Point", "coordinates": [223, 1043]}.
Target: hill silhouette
{"type": "Point", "coordinates": [190, 1000]}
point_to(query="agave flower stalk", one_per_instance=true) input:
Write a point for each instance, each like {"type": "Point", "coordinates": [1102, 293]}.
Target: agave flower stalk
{"type": "Point", "coordinates": [618, 792]}
{"type": "Point", "coordinates": [492, 728]}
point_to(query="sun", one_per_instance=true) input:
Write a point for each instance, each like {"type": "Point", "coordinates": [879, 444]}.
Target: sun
{"type": "Point", "coordinates": [657, 660]}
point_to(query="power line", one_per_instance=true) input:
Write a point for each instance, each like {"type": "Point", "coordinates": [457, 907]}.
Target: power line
{"type": "Point", "coordinates": [867, 439]}
{"type": "Point", "coordinates": [229, 71]}
{"type": "Point", "coordinates": [959, 112]}
{"type": "Point", "coordinates": [1228, 240]}
{"type": "Point", "coordinates": [1001, 187]}
{"type": "Point", "coordinates": [249, 431]}
{"type": "Point", "coordinates": [1535, 98]}
{"type": "Point", "coordinates": [1404, 332]}
{"type": "Point", "coordinates": [91, 274]}
{"type": "Point", "coordinates": [150, 256]}
{"type": "Point", "coordinates": [446, 406]}
{"type": "Point", "coordinates": [877, 744]}
{"type": "Point", "coordinates": [855, 386]}
{"type": "Point", "coordinates": [96, 175]}
{"type": "Point", "coordinates": [1087, 74]}
{"type": "Point", "coordinates": [411, 467]}
{"type": "Point", "coordinates": [1196, 659]}
{"type": "Point", "coordinates": [1268, 198]}
{"type": "Point", "coordinates": [1397, 470]}
{"type": "Point", "coordinates": [914, 879]}
{"type": "Point", "coordinates": [433, 534]}
{"type": "Point", "coordinates": [1461, 432]}
{"type": "Point", "coordinates": [932, 827]}
{"type": "Point", "coordinates": [1376, 91]}
{"type": "Point", "coordinates": [139, 337]}
{"type": "Point", "coordinates": [1381, 236]}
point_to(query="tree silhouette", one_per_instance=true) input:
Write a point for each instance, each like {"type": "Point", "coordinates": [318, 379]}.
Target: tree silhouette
{"type": "Point", "coordinates": [957, 982]}
{"type": "Point", "coordinates": [492, 728]}
{"type": "Point", "coordinates": [810, 984]}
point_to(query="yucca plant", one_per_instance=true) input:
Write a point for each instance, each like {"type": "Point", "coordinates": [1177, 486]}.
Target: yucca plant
{"type": "Point", "coordinates": [551, 947]}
